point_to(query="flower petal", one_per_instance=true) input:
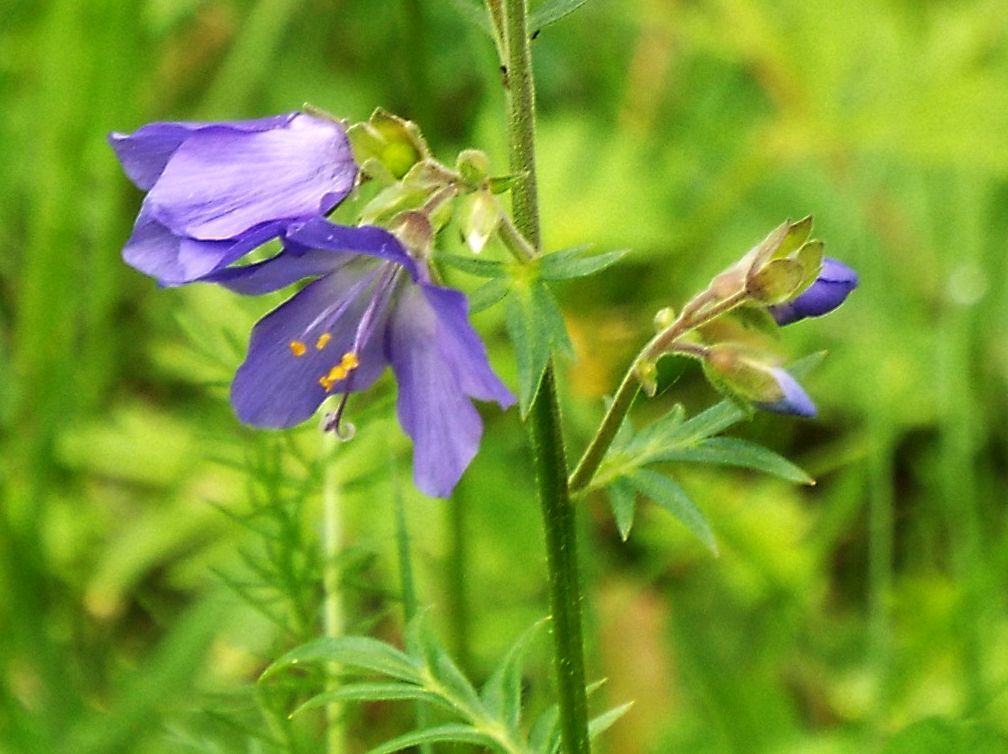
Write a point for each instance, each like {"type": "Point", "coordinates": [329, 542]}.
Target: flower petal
{"type": "Point", "coordinates": [221, 181]}
{"type": "Point", "coordinates": [794, 400]}
{"type": "Point", "coordinates": [145, 152]}
{"type": "Point", "coordinates": [830, 289]}
{"type": "Point", "coordinates": [277, 387]}
{"type": "Point", "coordinates": [319, 233]}
{"type": "Point", "coordinates": [462, 348]}
{"type": "Point", "coordinates": [277, 272]}
{"type": "Point", "coordinates": [171, 260]}
{"type": "Point", "coordinates": [432, 406]}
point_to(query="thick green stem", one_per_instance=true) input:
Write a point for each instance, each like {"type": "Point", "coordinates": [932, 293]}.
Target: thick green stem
{"type": "Point", "coordinates": [545, 431]}
{"type": "Point", "coordinates": [332, 609]}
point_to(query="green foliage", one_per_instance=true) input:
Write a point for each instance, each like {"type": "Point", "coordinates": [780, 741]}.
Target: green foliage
{"type": "Point", "coordinates": [490, 717]}
{"type": "Point", "coordinates": [833, 616]}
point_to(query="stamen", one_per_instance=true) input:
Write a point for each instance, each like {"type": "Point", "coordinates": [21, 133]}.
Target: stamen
{"type": "Point", "coordinates": [322, 340]}
{"type": "Point", "coordinates": [333, 422]}
{"type": "Point", "coordinates": [339, 371]}
{"type": "Point", "coordinates": [297, 348]}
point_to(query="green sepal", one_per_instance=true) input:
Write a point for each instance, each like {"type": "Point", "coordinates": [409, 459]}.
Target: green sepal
{"type": "Point", "coordinates": [474, 167]}
{"type": "Point", "coordinates": [740, 376]}
{"type": "Point", "coordinates": [796, 235]}
{"type": "Point", "coordinates": [779, 243]}
{"type": "Point", "coordinates": [810, 257]}
{"type": "Point", "coordinates": [776, 281]}
{"type": "Point", "coordinates": [568, 264]}
{"type": "Point", "coordinates": [394, 142]}
{"type": "Point", "coordinates": [390, 201]}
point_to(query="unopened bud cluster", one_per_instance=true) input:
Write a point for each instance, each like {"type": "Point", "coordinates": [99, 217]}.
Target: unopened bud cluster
{"type": "Point", "coordinates": [393, 152]}
{"type": "Point", "coordinates": [729, 326]}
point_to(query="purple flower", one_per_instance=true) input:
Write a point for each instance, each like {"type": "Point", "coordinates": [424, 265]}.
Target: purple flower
{"type": "Point", "coordinates": [369, 305]}
{"type": "Point", "coordinates": [215, 191]}
{"type": "Point", "coordinates": [793, 398]}
{"type": "Point", "coordinates": [835, 282]}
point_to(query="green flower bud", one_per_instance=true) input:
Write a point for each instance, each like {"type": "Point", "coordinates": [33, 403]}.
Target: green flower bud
{"type": "Point", "coordinates": [474, 167]}
{"type": "Point", "coordinates": [479, 217]}
{"type": "Point", "coordinates": [778, 280]}
{"type": "Point", "coordinates": [746, 378]}
{"type": "Point", "coordinates": [646, 372]}
{"type": "Point", "coordinates": [394, 143]}
{"type": "Point", "coordinates": [664, 318]}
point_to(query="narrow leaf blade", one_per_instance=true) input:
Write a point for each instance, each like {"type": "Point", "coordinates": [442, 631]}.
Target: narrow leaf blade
{"type": "Point", "coordinates": [453, 732]}
{"type": "Point", "coordinates": [360, 652]}
{"type": "Point", "coordinates": [568, 264]}
{"type": "Point", "coordinates": [623, 503]}
{"type": "Point", "coordinates": [731, 451]}
{"type": "Point", "coordinates": [552, 11]}
{"type": "Point", "coordinates": [673, 498]}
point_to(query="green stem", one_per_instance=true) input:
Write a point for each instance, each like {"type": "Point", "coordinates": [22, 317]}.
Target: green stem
{"type": "Point", "coordinates": [545, 431]}
{"type": "Point", "coordinates": [332, 610]}
{"type": "Point", "coordinates": [458, 569]}
{"type": "Point", "coordinates": [697, 312]}
{"type": "Point", "coordinates": [603, 438]}
{"type": "Point", "coordinates": [406, 585]}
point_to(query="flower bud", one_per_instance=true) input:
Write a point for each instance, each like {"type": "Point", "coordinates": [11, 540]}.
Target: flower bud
{"type": "Point", "coordinates": [479, 217]}
{"type": "Point", "coordinates": [664, 318]}
{"type": "Point", "coordinates": [830, 288]}
{"type": "Point", "coordinates": [394, 143]}
{"type": "Point", "coordinates": [474, 167]}
{"type": "Point", "coordinates": [765, 386]}
{"type": "Point", "coordinates": [776, 281]}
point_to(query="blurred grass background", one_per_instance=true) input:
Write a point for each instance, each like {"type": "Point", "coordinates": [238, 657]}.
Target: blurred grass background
{"type": "Point", "coordinates": [684, 129]}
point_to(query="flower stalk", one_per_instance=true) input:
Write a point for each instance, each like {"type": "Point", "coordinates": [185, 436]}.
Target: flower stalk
{"type": "Point", "coordinates": [545, 431]}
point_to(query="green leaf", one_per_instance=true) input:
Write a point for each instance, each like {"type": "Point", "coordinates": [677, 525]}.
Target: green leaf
{"type": "Point", "coordinates": [439, 668]}
{"type": "Point", "coordinates": [730, 451]}
{"type": "Point", "coordinates": [536, 327]}
{"type": "Point", "coordinates": [659, 432]}
{"type": "Point", "coordinates": [549, 316]}
{"type": "Point", "coordinates": [457, 733]}
{"type": "Point", "coordinates": [484, 268]}
{"type": "Point", "coordinates": [605, 721]}
{"type": "Point", "coordinates": [673, 498]}
{"type": "Point", "coordinates": [488, 294]}
{"type": "Point", "coordinates": [374, 692]}
{"type": "Point", "coordinates": [573, 263]}
{"type": "Point", "coordinates": [545, 734]}
{"type": "Point", "coordinates": [502, 693]}
{"type": "Point", "coordinates": [550, 12]}
{"type": "Point", "coordinates": [623, 502]}
{"type": "Point", "coordinates": [359, 652]}
{"type": "Point", "coordinates": [710, 422]}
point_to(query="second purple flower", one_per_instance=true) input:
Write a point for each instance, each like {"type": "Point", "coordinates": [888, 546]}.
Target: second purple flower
{"type": "Point", "coordinates": [215, 191]}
